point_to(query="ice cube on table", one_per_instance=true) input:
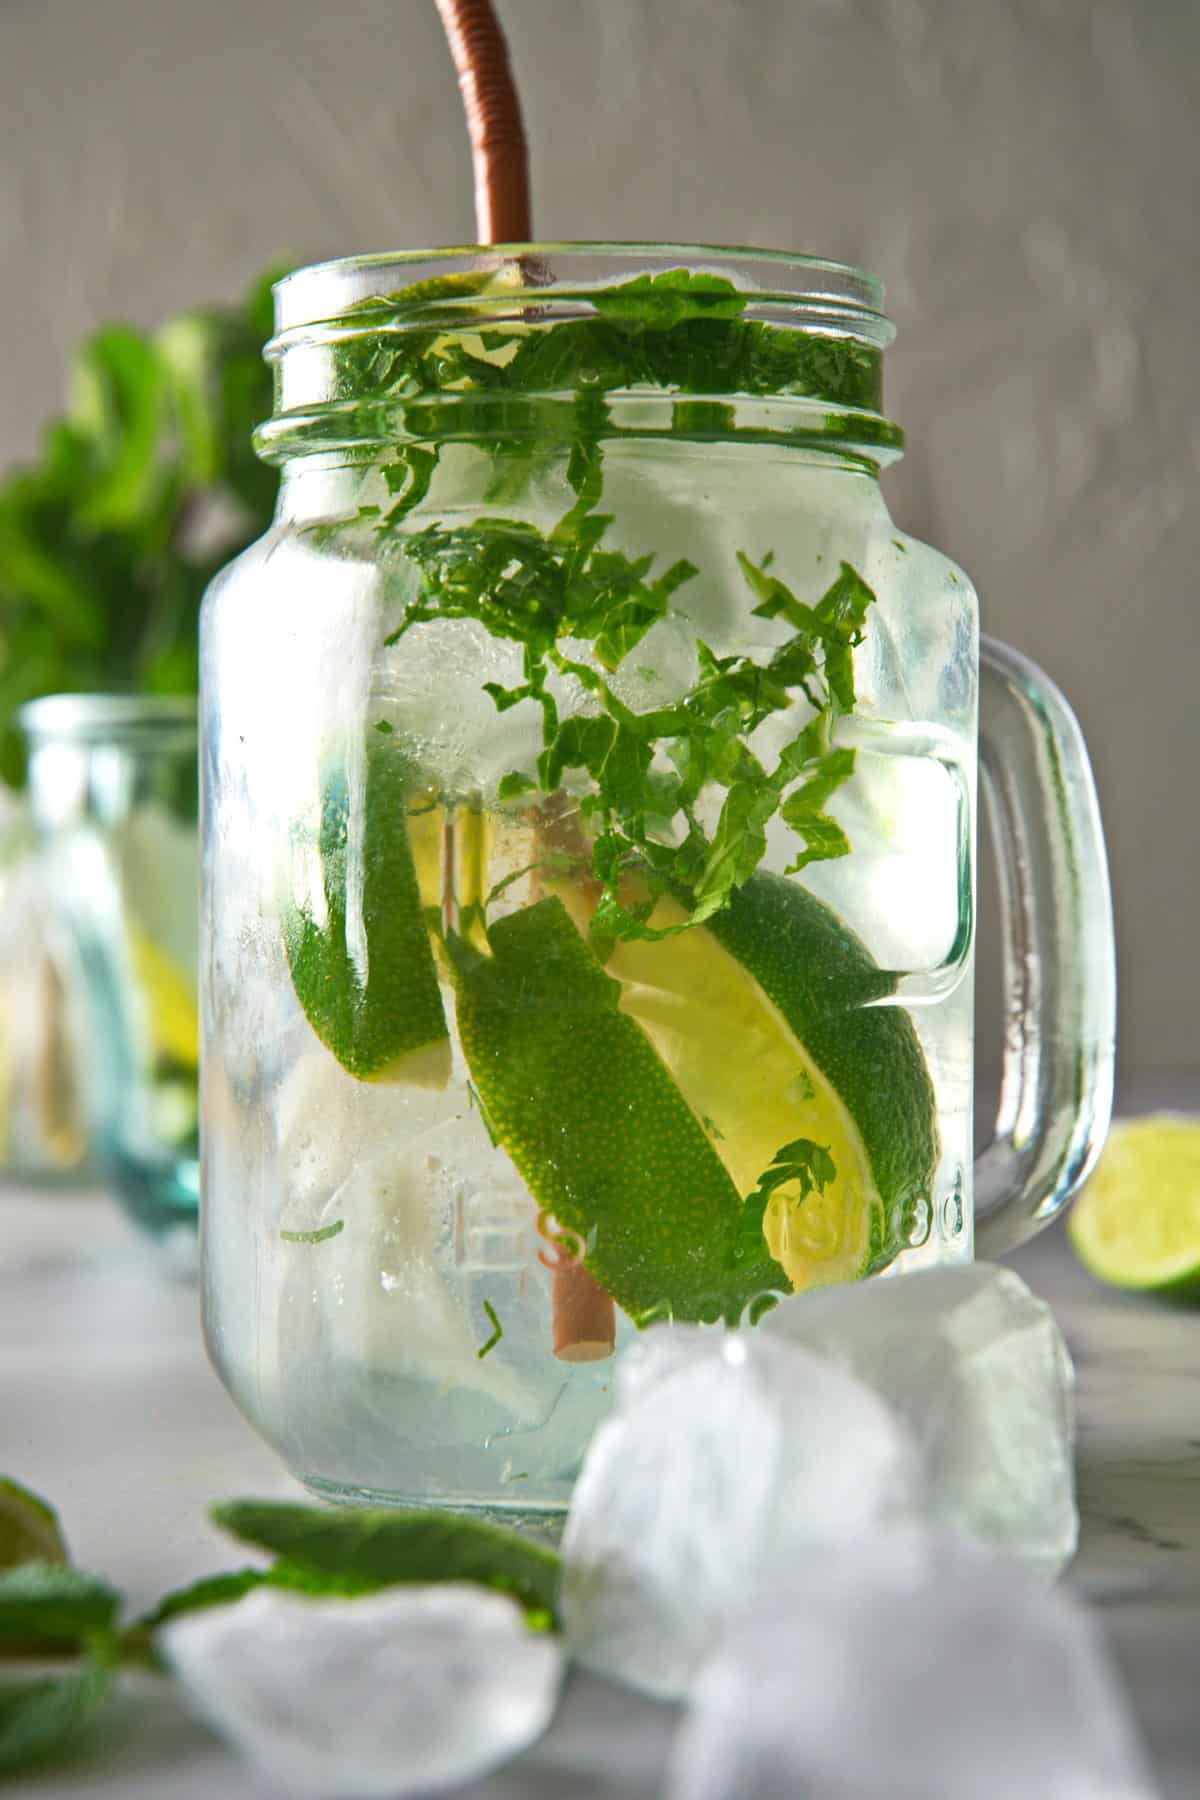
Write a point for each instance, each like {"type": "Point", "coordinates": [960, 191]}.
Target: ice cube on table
{"type": "Point", "coordinates": [977, 1367]}
{"type": "Point", "coordinates": [912, 1666]}
{"type": "Point", "coordinates": [401, 1692]}
{"type": "Point", "coordinates": [728, 1454]}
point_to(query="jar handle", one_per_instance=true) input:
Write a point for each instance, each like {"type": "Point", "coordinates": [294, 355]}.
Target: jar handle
{"type": "Point", "coordinates": [1059, 956]}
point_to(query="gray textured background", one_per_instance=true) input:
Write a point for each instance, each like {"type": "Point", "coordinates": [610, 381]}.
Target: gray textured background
{"type": "Point", "coordinates": [1022, 173]}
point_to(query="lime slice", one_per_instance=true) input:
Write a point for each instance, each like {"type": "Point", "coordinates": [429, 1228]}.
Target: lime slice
{"type": "Point", "coordinates": [577, 1095]}
{"type": "Point", "coordinates": [29, 1529]}
{"type": "Point", "coordinates": [822, 987]}
{"type": "Point", "coordinates": [360, 952]}
{"type": "Point", "coordinates": [1137, 1222]}
{"type": "Point", "coordinates": [767, 1019]}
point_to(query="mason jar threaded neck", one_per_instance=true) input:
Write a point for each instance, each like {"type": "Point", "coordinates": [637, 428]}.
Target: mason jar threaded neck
{"type": "Point", "coordinates": [683, 341]}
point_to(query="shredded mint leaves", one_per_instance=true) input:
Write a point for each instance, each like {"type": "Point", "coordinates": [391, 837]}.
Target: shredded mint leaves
{"type": "Point", "coordinates": [648, 770]}
{"type": "Point", "coordinates": [497, 1331]}
{"type": "Point", "coordinates": [644, 777]}
{"type": "Point", "coordinates": [645, 780]}
{"type": "Point", "coordinates": [681, 330]}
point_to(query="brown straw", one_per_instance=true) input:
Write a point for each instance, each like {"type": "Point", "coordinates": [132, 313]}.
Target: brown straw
{"type": "Point", "coordinates": [583, 1324]}
{"type": "Point", "coordinates": [493, 112]}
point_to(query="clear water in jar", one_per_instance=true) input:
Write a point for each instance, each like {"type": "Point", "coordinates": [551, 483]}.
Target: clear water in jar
{"type": "Point", "coordinates": [394, 1292]}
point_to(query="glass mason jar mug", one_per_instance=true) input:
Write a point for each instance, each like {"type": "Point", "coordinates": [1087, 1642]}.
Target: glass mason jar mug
{"type": "Point", "coordinates": [589, 769]}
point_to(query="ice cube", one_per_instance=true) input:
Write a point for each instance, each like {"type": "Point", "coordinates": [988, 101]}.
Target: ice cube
{"type": "Point", "coordinates": [728, 1454]}
{"type": "Point", "coordinates": [401, 1692]}
{"type": "Point", "coordinates": [911, 1666]}
{"type": "Point", "coordinates": [977, 1367]}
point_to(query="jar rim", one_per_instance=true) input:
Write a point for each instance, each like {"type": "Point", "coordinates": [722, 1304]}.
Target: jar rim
{"type": "Point", "coordinates": [91, 718]}
{"type": "Point", "coordinates": [320, 292]}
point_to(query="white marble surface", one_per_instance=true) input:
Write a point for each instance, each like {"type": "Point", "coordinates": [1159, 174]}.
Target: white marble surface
{"type": "Point", "coordinates": [108, 1405]}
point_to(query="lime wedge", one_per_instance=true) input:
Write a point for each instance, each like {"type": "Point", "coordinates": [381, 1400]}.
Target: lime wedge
{"type": "Point", "coordinates": [360, 952]}
{"type": "Point", "coordinates": [577, 1095]}
{"type": "Point", "coordinates": [643, 1101]}
{"type": "Point", "coordinates": [1137, 1222]}
{"type": "Point", "coordinates": [766, 1017]}
{"type": "Point", "coordinates": [868, 1070]}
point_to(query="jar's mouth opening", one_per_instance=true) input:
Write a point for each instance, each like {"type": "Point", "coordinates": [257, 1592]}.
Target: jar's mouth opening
{"type": "Point", "coordinates": [776, 286]}
{"type": "Point", "coordinates": [99, 718]}
{"type": "Point", "coordinates": [510, 341]}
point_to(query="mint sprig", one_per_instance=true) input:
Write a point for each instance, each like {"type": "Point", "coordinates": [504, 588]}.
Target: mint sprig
{"type": "Point", "coordinates": [54, 1610]}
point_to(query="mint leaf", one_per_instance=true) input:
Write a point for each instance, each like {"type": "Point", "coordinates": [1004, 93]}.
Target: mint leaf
{"type": "Point", "coordinates": [380, 1547]}
{"type": "Point", "coordinates": [409, 478]}
{"type": "Point", "coordinates": [497, 1331]}
{"type": "Point", "coordinates": [823, 837]}
{"type": "Point", "coordinates": [660, 301]}
{"type": "Point", "coordinates": [29, 1528]}
{"type": "Point", "coordinates": [48, 1604]}
{"type": "Point", "coordinates": [513, 785]}
{"type": "Point", "coordinates": [739, 843]}
{"type": "Point", "coordinates": [40, 1717]}
{"type": "Point", "coordinates": [804, 1162]}
{"type": "Point", "coordinates": [841, 613]}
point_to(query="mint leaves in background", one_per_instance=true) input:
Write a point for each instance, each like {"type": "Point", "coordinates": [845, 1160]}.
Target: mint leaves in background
{"type": "Point", "coordinates": [141, 492]}
{"type": "Point", "coordinates": [51, 1610]}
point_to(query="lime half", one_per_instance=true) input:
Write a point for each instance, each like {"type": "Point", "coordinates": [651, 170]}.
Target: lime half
{"type": "Point", "coordinates": [1137, 1222]}
{"type": "Point", "coordinates": [644, 1100]}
